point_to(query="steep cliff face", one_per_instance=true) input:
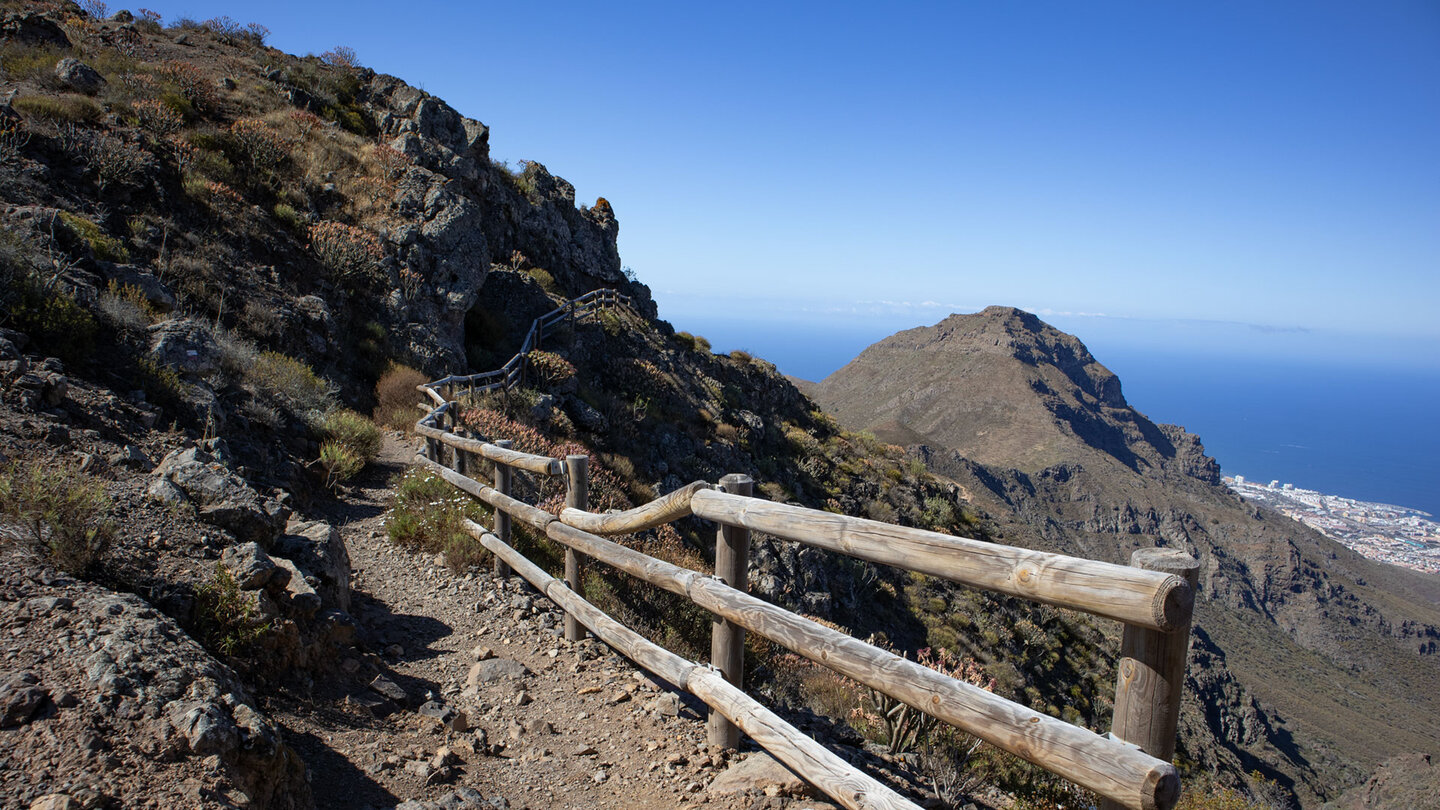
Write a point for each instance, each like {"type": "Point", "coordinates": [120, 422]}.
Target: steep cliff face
{"type": "Point", "coordinates": [1037, 432]}
{"type": "Point", "coordinates": [459, 214]}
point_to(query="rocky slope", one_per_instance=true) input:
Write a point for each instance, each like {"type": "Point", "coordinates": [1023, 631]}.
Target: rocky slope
{"type": "Point", "coordinates": [206, 246]}
{"type": "Point", "coordinates": [1311, 662]}
{"type": "Point", "coordinates": [209, 245]}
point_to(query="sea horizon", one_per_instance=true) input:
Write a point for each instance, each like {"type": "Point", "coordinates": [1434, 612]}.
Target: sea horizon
{"type": "Point", "coordinates": [1332, 423]}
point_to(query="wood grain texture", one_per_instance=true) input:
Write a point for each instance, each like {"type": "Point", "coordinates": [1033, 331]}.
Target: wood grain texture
{"type": "Point", "coordinates": [1150, 673]}
{"type": "Point", "coordinates": [727, 639]}
{"type": "Point", "coordinates": [1108, 767]}
{"type": "Point", "coordinates": [524, 512]}
{"type": "Point", "coordinates": [504, 478]}
{"type": "Point", "coordinates": [840, 781]}
{"type": "Point", "coordinates": [577, 497]}
{"type": "Point", "coordinates": [657, 512]}
{"type": "Point", "coordinates": [1148, 598]}
{"type": "Point", "coordinates": [542, 465]}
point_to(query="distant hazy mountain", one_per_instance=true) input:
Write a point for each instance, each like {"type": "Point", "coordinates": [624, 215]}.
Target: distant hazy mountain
{"type": "Point", "coordinates": [1311, 663]}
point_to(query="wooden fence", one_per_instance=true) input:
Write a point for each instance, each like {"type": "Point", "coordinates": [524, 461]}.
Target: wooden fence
{"type": "Point", "coordinates": [1153, 597]}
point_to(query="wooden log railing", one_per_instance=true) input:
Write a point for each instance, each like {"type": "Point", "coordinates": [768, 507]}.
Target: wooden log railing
{"type": "Point", "coordinates": [1153, 597]}
{"type": "Point", "coordinates": [513, 372]}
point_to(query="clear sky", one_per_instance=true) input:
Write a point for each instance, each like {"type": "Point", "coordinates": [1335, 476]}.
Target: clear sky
{"type": "Point", "coordinates": [1266, 163]}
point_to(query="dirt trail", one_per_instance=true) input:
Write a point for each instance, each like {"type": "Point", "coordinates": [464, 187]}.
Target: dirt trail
{"type": "Point", "coordinates": [580, 729]}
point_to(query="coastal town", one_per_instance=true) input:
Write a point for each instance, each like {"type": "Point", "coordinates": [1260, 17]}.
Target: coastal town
{"type": "Point", "coordinates": [1380, 531]}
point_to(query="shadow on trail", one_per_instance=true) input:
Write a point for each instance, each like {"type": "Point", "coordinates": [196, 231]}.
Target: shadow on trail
{"type": "Point", "coordinates": [336, 781]}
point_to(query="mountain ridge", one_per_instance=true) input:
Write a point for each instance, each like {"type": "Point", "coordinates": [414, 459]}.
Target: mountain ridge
{"type": "Point", "coordinates": [1038, 434]}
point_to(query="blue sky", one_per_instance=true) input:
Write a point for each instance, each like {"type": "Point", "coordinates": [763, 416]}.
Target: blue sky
{"type": "Point", "coordinates": [1272, 164]}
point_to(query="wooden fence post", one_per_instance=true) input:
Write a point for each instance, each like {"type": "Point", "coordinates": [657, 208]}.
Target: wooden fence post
{"type": "Point", "coordinates": [462, 457]}
{"type": "Point", "coordinates": [449, 456]}
{"type": "Point", "coordinates": [1150, 673]}
{"type": "Point", "coordinates": [577, 496]}
{"type": "Point", "coordinates": [727, 639]}
{"type": "Point", "coordinates": [503, 475]}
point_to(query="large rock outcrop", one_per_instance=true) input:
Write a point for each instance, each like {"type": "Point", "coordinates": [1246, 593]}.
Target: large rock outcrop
{"type": "Point", "coordinates": [101, 684]}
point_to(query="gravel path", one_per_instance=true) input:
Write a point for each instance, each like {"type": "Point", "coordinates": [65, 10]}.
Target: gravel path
{"type": "Point", "coordinates": [540, 723]}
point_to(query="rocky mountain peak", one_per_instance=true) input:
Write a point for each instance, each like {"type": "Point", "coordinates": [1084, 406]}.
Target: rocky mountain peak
{"type": "Point", "coordinates": [1000, 386]}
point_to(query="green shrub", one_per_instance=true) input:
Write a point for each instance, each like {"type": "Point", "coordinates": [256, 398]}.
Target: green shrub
{"type": "Point", "coordinates": [692, 342]}
{"type": "Point", "coordinates": [295, 384]}
{"type": "Point", "coordinates": [289, 217]}
{"type": "Point", "coordinates": [340, 463]}
{"type": "Point", "coordinates": [103, 245]}
{"type": "Point", "coordinates": [355, 432]}
{"type": "Point", "coordinates": [161, 383]}
{"type": "Point", "coordinates": [939, 513]}
{"type": "Point", "coordinates": [62, 513]}
{"type": "Point", "coordinates": [52, 318]}
{"type": "Point", "coordinates": [543, 277]}
{"type": "Point", "coordinates": [396, 397]}
{"type": "Point", "coordinates": [427, 515]}
{"type": "Point", "coordinates": [35, 62]}
{"type": "Point", "coordinates": [225, 621]}
{"type": "Point", "coordinates": [63, 109]}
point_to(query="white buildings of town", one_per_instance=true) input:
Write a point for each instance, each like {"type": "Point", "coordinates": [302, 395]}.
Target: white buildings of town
{"type": "Point", "coordinates": [1380, 531]}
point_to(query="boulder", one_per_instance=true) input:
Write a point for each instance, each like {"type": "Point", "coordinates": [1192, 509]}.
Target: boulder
{"type": "Point", "coordinates": [319, 551]}
{"type": "Point", "coordinates": [78, 76]}
{"type": "Point", "coordinates": [156, 292]}
{"type": "Point", "coordinates": [222, 498]}
{"type": "Point", "coordinates": [21, 698]}
{"type": "Point", "coordinates": [759, 772]}
{"type": "Point", "coordinates": [186, 345]}
{"type": "Point", "coordinates": [301, 598]}
{"type": "Point", "coordinates": [252, 568]}
{"type": "Point", "coordinates": [132, 457]}
{"type": "Point", "coordinates": [495, 670]}
{"type": "Point", "coordinates": [163, 491]}
{"type": "Point", "coordinates": [207, 727]}
{"type": "Point", "coordinates": [33, 29]}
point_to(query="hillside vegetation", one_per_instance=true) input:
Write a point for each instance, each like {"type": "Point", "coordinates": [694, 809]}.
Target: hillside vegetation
{"type": "Point", "coordinates": [218, 257]}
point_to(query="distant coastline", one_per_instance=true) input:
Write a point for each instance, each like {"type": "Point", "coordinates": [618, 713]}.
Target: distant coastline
{"type": "Point", "coordinates": [1325, 423]}
{"type": "Point", "coordinates": [1384, 532]}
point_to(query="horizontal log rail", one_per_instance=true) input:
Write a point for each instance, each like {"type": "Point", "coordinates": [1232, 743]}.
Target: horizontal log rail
{"type": "Point", "coordinates": [662, 510]}
{"type": "Point", "coordinates": [837, 778]}
{"type": "Point", "coordinates": [1149, 598]}
{"type": "Point", "coordinates": [1110, 768]}
{"type": "Point", "coordinates": [1153, 597]}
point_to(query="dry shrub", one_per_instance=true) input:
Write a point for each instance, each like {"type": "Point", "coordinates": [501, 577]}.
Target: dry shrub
{"type": "Point", "coordinates": [261, 144]}
{"type": "Point", "coordinates": [110, 159]}
{"type": "Point", "coordinates": [68, 108]}
{"type": "Point", "coordinates": [396, 397]}
{"type": "Point", "coordinates": [342, 56]}
{"type": "Point", "coordinates": [346, 251]}
{"type": "Point", "coordinates": [157, 117]}
{"type": "Point", "coordinates": [62, 513]}
{"type": "Point", "coordinates": [191, 82]}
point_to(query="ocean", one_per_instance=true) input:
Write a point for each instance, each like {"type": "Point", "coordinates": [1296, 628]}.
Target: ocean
{"type": "Point", "coordinates": [1360, 423]}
